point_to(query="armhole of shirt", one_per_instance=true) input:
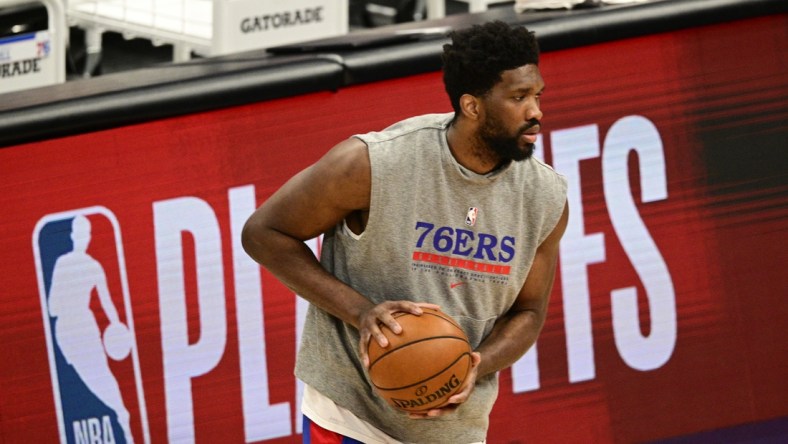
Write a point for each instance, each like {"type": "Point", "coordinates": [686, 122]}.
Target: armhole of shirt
{"type": "Point", "coordinates": [374, 198]}
{"type": "Point", "coordinates": [344, 229]}
{"type": "Point", "coordinates": [348, 232]}
{"type": "Point", "coordinates": [561, 197]}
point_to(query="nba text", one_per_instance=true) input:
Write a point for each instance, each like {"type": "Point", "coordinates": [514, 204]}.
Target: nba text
{"type": "Point", "coordinates": [93, 431]}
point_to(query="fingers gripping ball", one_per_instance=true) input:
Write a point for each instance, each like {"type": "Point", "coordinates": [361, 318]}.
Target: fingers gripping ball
{"type": "Point", "coordinates": [117, 341]}
{"type": "Point", "coordinates": [424, 365]}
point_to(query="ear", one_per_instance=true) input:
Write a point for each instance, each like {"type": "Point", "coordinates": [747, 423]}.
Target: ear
{"type": "Point", "coordinates": [470, 106]}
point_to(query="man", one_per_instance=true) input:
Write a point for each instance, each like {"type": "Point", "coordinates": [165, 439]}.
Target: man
{"type": "Point", "coordinates": [444, 209]}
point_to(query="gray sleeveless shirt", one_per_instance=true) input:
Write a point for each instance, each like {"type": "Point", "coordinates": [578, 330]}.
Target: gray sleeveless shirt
{"type": "Point", "coordinates": [437, 232]}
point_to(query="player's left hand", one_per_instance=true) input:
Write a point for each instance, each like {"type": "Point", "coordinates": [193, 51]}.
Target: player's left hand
{"type": "Point", "coordinates": [456, 399]}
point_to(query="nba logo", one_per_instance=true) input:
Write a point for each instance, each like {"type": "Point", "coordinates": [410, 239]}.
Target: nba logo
{"type": "Point", "coordinates": [93, 359]}
{"type": "Point", "coordinates": [470, 218]}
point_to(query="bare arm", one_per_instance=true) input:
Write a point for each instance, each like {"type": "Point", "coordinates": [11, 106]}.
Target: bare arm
{"type": "Point", "coordinates": [310, 203]}
{"type": "Point", "coordinates": [515, 332]}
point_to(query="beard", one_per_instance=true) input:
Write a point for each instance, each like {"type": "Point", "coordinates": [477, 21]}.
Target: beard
{"type": "Point", "coordinates": [503, 145]}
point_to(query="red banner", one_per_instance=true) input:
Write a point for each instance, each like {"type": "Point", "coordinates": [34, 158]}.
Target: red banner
{"type": "Point", "coordinates": [667, 314]}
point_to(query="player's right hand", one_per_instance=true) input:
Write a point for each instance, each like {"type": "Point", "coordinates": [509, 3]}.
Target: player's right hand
{"type": "Point", "coordinates": [371, 321]}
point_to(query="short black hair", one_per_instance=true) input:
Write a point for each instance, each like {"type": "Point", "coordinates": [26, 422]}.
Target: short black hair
{"type": "Point", "coordinates": [474, 61]}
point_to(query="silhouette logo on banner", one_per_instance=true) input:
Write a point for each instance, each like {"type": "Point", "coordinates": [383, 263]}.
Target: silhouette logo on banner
{"type": "Point", "coordinates": [89, 328]}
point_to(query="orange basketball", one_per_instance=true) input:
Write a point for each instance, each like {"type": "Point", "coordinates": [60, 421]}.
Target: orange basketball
{"type": "Point", "coordinates": [422, 366]}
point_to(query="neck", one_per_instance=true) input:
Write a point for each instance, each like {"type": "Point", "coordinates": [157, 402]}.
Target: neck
{"type": "Point", "coordinates": [469, 150]}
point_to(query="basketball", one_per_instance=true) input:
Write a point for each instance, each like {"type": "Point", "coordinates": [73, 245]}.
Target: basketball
{"type": "Point", "coordinates": [117, 341]}
{"type": "Point", "coordinates": [424, 365]}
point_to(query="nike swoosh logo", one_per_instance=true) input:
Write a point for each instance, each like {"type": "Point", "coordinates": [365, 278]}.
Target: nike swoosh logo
{"type": "Point", "coordinates": [456, 284]}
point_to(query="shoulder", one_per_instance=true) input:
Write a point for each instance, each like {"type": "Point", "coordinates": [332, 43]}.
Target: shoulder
{"type": "Point", "coordinates": [549, 177]}
{"type": "Point", "coordinates": [408, 126]}
{"type": "Point", "coordinates": [347, 158]}
{"type": "Point", "coordinates": [546, 190]}
{"type": "Point", "coordinates": [77, 260]}
{"type": "Point", "coordinates": [342, 174]}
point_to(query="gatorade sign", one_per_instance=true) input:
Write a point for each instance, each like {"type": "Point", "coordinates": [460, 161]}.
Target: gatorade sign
{"type": "Point", "coordinates": [252, 24]}
{"type": "Point", "coordinates": [25, 62]}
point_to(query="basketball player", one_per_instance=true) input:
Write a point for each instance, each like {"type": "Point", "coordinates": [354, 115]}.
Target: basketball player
{"type": "Point", "coordinates": [77, 334]}
{"type": "Point", "coordinates": [462, 187]}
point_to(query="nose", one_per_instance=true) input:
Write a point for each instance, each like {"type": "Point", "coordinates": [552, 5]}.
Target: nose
{"type": "Point", "coordinates": [534, 111]}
